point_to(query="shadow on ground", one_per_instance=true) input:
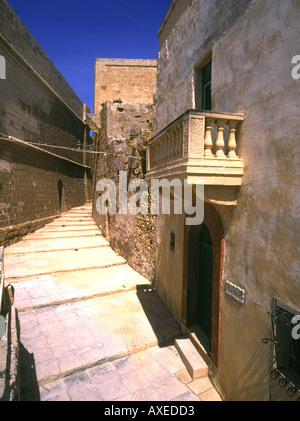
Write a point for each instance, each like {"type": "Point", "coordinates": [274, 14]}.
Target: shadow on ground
{"type": "Point", "coordinates": [160, 318]}
{"type": "Point", "coordinates": [29, 389]}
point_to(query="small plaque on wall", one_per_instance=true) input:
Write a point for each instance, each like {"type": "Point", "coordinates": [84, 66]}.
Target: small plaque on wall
{"type": "Point", "coordinates": [235, 292]}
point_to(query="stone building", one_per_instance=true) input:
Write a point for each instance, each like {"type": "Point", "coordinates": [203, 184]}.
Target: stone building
{"type": "Point", "coordinates": [132, 81]}
{"type": "Point", "coordinates": [123, 121]}
{"type": "Point", "coordinates": [37, 108]}
{"type": "Point", "coordinates": [227, 117]}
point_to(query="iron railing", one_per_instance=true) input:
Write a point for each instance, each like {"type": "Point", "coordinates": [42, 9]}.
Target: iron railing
{"type": "Point", "coordinates": [286, 362]}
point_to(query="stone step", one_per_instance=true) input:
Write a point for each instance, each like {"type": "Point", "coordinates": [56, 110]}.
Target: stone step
{"type": "Point", "coordinates": [191, 358]}
{"type": "Point", "coordinates": [68, 223]}
{"type": "Point", "coordinates": [56, 244]}
{"type": "Point", "coordinates": [38, 236]}
{"type": "Point", "coordinates": [66, 228]}
{"type": "Point", "coordinates": [75, 218]}
{"type": "Point", "coordinates": [34, 264]}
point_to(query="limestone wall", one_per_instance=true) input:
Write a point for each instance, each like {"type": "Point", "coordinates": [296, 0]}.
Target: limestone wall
{"type": "Point", "coordinates": [262, 234]}
{"type": "Point", "coordinates": [37, 106]}
{"type": "Point", "coordinates": [132, 81]}
{"type": "Point", "coordinates": [36, 102]}
{"type": "Point", "coordinates": [251, 46]}
{"type": "Point", "coordinates": [176, 9]}
{"type": "Point", "coordinates": [189, 44]}
{"type": "Point", "coordinates": [30, 189]}
{"type": "Point", "coordinates": [13, 30]}
{"type": "Point", "coordinates": [125, 128]}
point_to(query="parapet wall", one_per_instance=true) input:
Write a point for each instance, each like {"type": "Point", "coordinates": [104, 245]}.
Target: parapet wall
{"type": "Point", "coordinates": [125, 129]}
{"type": "Point", "coordinates": [132, 81]}
{"type": "Point", "coordinates": [16, 33]}
{"type": "Point", "coordinates": [38, 109]}
{"type": "Point", "coordinates": [36, 102]}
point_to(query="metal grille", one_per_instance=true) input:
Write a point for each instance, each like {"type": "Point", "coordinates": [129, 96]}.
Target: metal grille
{"type": "Point", "coordinates": [286, 348]}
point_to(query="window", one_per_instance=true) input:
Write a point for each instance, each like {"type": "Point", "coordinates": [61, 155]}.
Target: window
{"type": "Point", "coordinates": [286, 347]}
{"type": "Point", "coordinates": [202, 80]}
{"type": "Point", "coordinates": [206, 87]}
{"type": "Point", "coordinates": [172, 241]}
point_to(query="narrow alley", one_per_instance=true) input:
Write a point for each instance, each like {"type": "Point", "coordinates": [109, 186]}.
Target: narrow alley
{"type": "Point", "coordinates": [91, 328]}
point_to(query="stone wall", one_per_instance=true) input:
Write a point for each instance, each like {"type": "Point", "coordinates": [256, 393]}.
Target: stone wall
{"type": "Point", "coordinates": [125, 128]}
{"type": "Point", "coordinates": [176, 9]}
{"type": "Point", "coordinates": [132, 81]}
{"type": "Point", "coordinates": [251, 47]}
{"type": "Point", "coordinates": [189, 45]}
{"type": "Point", "coordinates": [262, 235]}
{"type": "Point", "coordinates": [36, 102]}
{"type": "Point", "coordinates": [30, 186]}
{"type": "Point", "coordinates": [37, 108]}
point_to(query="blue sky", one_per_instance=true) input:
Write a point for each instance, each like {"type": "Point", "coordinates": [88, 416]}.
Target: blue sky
{"type": "Point", "coordinates": [73, 33]}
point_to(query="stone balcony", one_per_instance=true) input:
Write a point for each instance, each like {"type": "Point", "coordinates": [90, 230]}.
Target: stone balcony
{"type": "Point", "coordinates": [198, 147]}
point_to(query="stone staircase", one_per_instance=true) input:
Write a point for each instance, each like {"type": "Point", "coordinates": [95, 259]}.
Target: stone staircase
{"type": "Point", "coordinates": [85, 315]}
{"type": "Point", "coordinates": [197, 370]}
{"type": "Point", "coordinates": [191, 358]}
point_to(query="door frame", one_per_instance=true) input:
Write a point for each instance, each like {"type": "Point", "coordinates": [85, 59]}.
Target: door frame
{"type": "Point", "coordinates": [213, 222]}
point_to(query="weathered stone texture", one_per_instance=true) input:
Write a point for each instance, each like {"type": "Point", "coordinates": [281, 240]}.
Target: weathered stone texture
{"type": "Point", "coordinates": [251, 48]}
{"type": "Point", "coordinates": [132, 81]}
{"type": "Point", "coordinates": [14, 31]}
{"type": "Point", "coordinates": [125, 128]}
{"type": "Point", "coordinates": [36, 102]}
{"type": "Point", "coordinates": [36, 105]}
{"type": "Point", "coordinates": [173, 15]}
{"type": "Point", "coordinates": [29, 188]}
{"type": "Point", "coordinates": [262, 238]}
{"type": "Point", "coordinates": [189, 44]}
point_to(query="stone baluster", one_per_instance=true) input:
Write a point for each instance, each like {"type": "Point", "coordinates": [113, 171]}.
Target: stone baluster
{"type": "Point", "coordinates": [154, 154]}
{"type": "Point", "coordinates": [165, 148]}
{"type": "Point", "coordinates": [165, 143]}
{"type": "Point", "coordinates": [173, 144]}
{"type": "Point", "coordinates": [169, 144]}
{"type": "Point", "coordinates": [208, 143]}
{"type": "Point", "coordinates": [232, 139]}
{"type": "Point", "coordinates": [149, 157]}
{"type": "Point", "coordinates": [161, 150]}
{"type": "Point", "coordinates": [220, 143]}
{"type": "Point", "coordinates": [153, 148]}
{"type": "Point", "coordinates": [181, 152]}
{"type": "Point", "coordinates": [158, 152]}
{"type": "Point", "coordinates": [178, 141]}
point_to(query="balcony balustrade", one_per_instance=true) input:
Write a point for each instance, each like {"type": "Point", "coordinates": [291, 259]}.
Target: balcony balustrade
{"type": "Point", "coordinates": [198, 145]}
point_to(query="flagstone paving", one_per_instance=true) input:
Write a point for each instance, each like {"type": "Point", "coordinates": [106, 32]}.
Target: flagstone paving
{"type": "Point", "coordinates": [91, 328]}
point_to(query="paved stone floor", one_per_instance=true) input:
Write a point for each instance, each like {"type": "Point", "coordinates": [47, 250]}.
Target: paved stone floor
{"type": "Point", "coordinates": [91, 328]}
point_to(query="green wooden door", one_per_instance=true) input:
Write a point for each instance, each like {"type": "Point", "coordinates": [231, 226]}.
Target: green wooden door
{"type": "Point", "coordinates": [205, 285]}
